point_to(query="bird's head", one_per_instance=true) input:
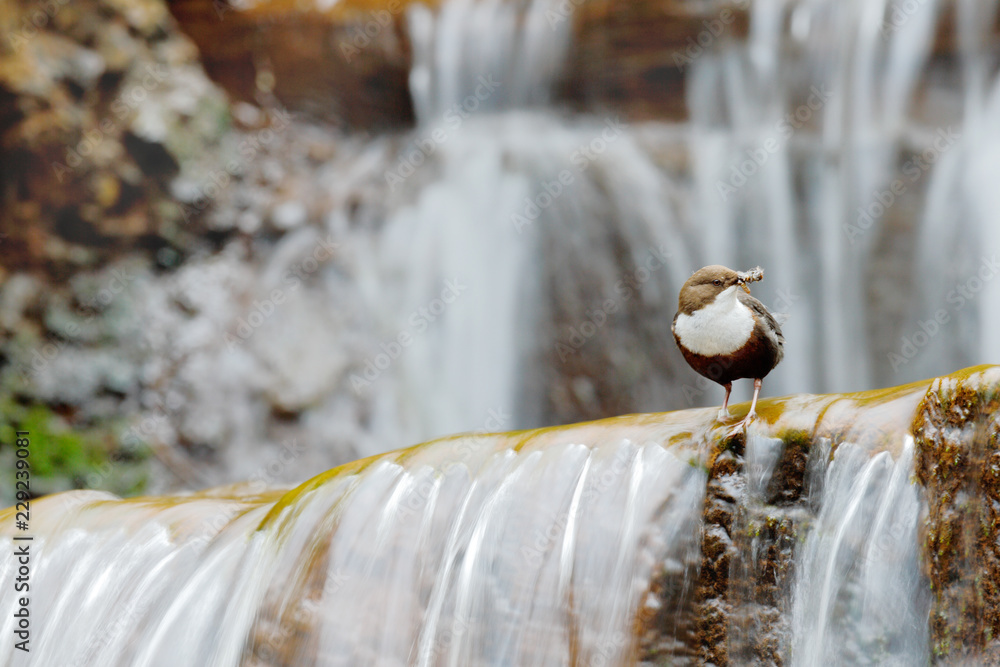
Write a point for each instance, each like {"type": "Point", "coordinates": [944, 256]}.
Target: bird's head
{"type": "Point", "coordinates": [710, 281]}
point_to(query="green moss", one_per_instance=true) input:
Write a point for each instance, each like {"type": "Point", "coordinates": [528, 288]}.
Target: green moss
{"type": "Point", "coordinates": [796, 438]}
{"type": "Point", "coordinates": [66, 456]}
{"type": "Point", "coordinates": [55, 448]}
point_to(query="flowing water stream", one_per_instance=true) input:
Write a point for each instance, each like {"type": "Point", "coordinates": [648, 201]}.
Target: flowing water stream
{"type": "Point", "coordinates": [548, 547]}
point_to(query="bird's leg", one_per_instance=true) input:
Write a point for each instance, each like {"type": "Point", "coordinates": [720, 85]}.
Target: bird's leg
{"type": "Point", "coordinates": [724, 411]}
{"type": "Point", "coordinates": [753, 404]}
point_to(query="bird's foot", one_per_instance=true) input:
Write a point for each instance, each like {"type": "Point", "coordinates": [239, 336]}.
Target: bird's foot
{"type": "Point", "coordinates": [742, 425]}
{"type": "Point", "coordinates": [724, 415]}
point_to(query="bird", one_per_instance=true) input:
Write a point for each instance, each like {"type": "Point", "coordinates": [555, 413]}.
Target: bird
{"type": "Point", "coordinates": [724, 333]}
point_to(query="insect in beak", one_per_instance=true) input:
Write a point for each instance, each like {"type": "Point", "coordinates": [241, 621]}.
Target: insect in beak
{"type": "Point", "coordinates": [751, 276]}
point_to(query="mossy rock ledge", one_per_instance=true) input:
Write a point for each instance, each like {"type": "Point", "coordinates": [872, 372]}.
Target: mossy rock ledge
{"type": "Point", "coordinates": [656, 539]}
{"type": "Point", "coordinates": [739, 611]}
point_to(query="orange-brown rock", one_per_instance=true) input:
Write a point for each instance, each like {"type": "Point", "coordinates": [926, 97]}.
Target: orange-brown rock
{"type": "Point", "coordinates": [101, 103]}
{"type": "Point", "coordinates": [348, 64]}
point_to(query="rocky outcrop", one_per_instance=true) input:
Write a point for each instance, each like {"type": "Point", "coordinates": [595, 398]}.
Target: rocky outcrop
{"type": "Point", "coordinates": [102, 104]}
{"type": "Point", "coordinates": [957, 430]}
{"type": "Point", "coordinates": [739, 611]}
{"type": "Point", "coordinates": [118, 153]}
{"type": "Point", "coordinates": [347, 63]}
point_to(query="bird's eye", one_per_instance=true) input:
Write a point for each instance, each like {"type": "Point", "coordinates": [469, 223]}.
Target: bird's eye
{"type": "Point", "coordinates": [716, 282]}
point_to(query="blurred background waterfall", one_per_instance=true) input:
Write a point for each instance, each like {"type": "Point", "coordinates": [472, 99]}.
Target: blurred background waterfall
{"type": "Point", "coordinates": [371, 225]}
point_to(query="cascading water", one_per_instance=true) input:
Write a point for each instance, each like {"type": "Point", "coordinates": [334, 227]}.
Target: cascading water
{"type": "Point", "coordinates": [482, 550]}
{"type": "Point", "coordinates": [850, 130]}
{"type": "Point", "coordinates": [838, 116]}
{"type": "Point", "coordinates": [799, 138]}
{"type": "Point", "coordinates": [576, 545]}
{"type": "Point", "coordinates": [495, 193]}
{"type": "Point", "coordinates": [861, 597]}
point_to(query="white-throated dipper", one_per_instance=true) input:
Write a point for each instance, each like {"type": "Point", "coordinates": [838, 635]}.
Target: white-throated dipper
{"type": "Point", "coordinates": [724, 333]}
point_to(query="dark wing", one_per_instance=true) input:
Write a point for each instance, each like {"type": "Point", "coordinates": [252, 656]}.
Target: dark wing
{"type": "Point", "coordinates": [764, 316]}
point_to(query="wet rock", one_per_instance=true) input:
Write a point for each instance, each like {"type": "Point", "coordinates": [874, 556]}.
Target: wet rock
{"type": "Point", "coordinates": [958, 432]}
{"type": "Point", "coordinates": [95, 121]}
{"type": "Point", "coordinates": [346, 62]}
{"type": "Point", "coordinates": [757, 509]}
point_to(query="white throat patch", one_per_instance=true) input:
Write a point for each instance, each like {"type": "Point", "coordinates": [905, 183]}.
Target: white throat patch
{"type": "Point", "coordinates": [721, 327]}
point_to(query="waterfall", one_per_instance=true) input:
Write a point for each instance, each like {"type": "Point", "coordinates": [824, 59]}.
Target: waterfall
{"type": "Point", "coordinates": [474, 550]}
{"type": "Point", "coordinates": [860, 597]}
{"type": "Point", "coordinates": [826, 134]}
{"type": "Point", "coordinates": [509, 263]}
{"type": "Point", "coordinates": [647, 538]}
{"type": "Point", "coordinates": [819, 206]}
{"type": "Point", "coordinates": [512, 201]}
